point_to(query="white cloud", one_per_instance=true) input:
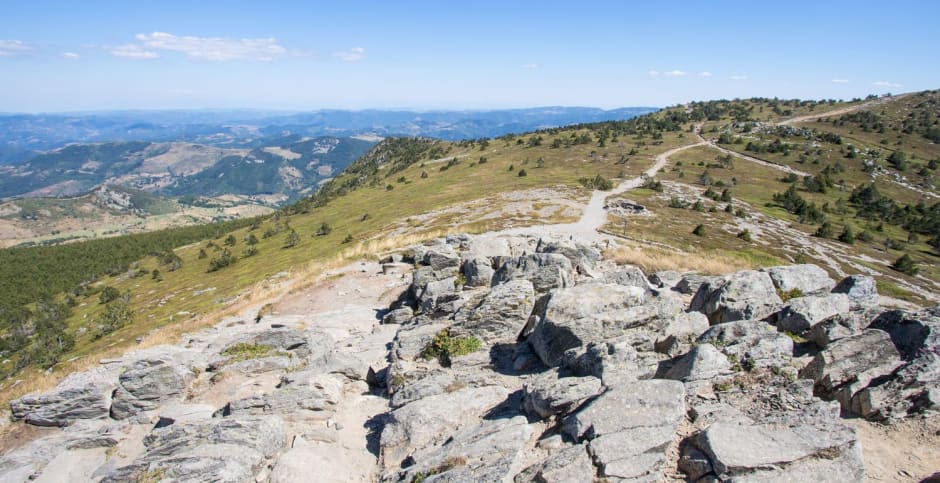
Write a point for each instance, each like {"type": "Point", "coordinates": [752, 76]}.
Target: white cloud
{"type": "Point", "coordinates": [886, 84]}
{"type": "Point", "coordinates": [739, 77]}
{"type": "Point", "coordinates": [133, 51]}
{"type": "Point", "coordinates": [213, 48]}
{"type": "Point", "coordinates": [675, 73]}
{"type": "Point", "coordinates": [9, 48]}
{"type": "Point", "coordinates": [354, 54]}
{"type": "Point", "coordinates": [653, 73]}
{"type": "Point", "coordinates": [705, 74]}
{"type": "Point", "coordinates": [530, 65]}
{"type": "Point", "coordinates": [70, 55]}
{"type": "Point", "coordinates": [840, 81]}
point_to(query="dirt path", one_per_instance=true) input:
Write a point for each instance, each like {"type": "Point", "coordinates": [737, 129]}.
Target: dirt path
{"type": "Point", "coordinates": [839, 112]}
{"type": "Point", "coordinates": [768, 164]}
{"type": "Point", "coordinates": [595, 213]}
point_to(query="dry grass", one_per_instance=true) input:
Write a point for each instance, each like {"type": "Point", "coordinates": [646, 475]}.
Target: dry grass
{"type": "Point", "coordinates": [652, 260]}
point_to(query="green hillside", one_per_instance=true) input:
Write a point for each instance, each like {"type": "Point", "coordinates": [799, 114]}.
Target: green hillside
{"type": "Point", "coordinates": [407, 188]}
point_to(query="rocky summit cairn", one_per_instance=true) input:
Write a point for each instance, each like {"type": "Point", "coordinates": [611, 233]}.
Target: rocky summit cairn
{"type": "Point", "coordinates": [508, 358]}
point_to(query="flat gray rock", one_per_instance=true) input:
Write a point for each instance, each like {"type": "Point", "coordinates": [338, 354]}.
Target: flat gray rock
{"type": "Point", "coordinates": [807, 278]}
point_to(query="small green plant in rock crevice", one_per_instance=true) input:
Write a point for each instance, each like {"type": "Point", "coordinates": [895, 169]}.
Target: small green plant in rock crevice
{"type": "Point", "coordinates": [443, 347]}
{"type": "Point", "coordinates": [786, 295]}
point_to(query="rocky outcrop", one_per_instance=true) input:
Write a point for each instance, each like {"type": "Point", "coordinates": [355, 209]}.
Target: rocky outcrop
{"type": "Point", "coordinates": [80, 396]}
{"type": "Point", "coordinates": [745, 295]}
{"type": "Point", "coordinates": [802, 313]}
{"type": "Point", "coordinates": [860, 289]}
{"type": "Point", "coordinates": [546, 271]}
{"type": "Point", "coordinates": [590, 312]}
{"type": "Point", "coordinates": [148, 383]}
{"type": "Point", "coordinates": [230, 450]}
{"type": "Point", "coordinates": [557, 366]}
{"type": "Point", "coordinates": [805, 279]}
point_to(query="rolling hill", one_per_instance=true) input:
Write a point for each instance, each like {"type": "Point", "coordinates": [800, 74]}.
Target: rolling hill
{"type": "Point", "coordinates": [740, 183]}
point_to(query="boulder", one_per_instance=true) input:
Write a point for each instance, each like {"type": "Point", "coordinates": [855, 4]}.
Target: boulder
{"type": "Point", "coordinates": [840, 326]}
{"type": "Point", "coordinates": [432, 420]}
{"type": "Point", "coordinates": [572, 464]}
{"type": "Point", "coordinates": [227, 449]}
{"type": "Point", "coordinates": [685, 326]}
{"type": "Point", "coordinates": [79, 396]}
{"type": "Point", "coordinates": [548, 394]}
{"type": "Point", "coordinates": [546, 271]}
{"type": "Point", "coordinates": [582, 257]}
{"type": "Point", "coordinates": [744, 295]}
{"type": "Point", "coordinates": [807, 278]}
{"type": "Point", "coordinates": [801, 313]}
{"type": "Point", "coordinates": [590, 312]}
{"type": "Point", "coordinates": [478, 271]}
{"type": "Point", "coordinates": [398, 316]}
{"type": "Point", "coordinates": [411, 340]}
{"type": "Point", "coordinates": [628, 276]}
{"type": "Point", "coordinates": [849, 365]}
{"type": "Point", "coordinates": [766, 452]}
{"type": "Point", "coordinates": [691, 282]}
{"type": "Point", "coordinates": [703, 362]}
{"type": "Point", "coordinates": [441, 259]}
{"type": "Point", "coordinates": [629, 428]}
{"type": "Point", "coordinates": [309, 390]}
{"type": "Point", "coordinates": [753, 343]}
{"type": "Point", "coordinates": [500, 317]}
{"type": "Point", "coordinates": [489, 451]}
{"type": "Point", "coordinates": [861, 290]}
{"type": "Point", "coordinates": [665, 279]}
{"type": "Point", "coordinates": [913, 388]}
{"type": "Point", "coordinates": [645, 403]}
{"type": "Point", "coordinates": [146, 384]}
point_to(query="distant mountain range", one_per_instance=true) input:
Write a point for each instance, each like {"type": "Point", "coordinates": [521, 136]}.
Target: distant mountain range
{"type": "Point", "coordinates": [24, 135]}
{"type": "Point", "coordinates": [287, 167]}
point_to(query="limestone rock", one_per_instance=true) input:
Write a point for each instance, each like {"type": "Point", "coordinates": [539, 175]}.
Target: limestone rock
{"type": "Point", "coordinates": [753, 343]}
{"type": "Point", "coordinates": [490, 451]}
{"type": "Point", "coordinates": [478, 272]}
{"type": "Point", "coordinates": [80, 396]}
{"type": "Point", "coordinates": [630, 427]}
{"type": "Point", "coordinates": [398, 316]}
{"type": "Point", "coordinates": [571, 464]}
{"type": "Point", "coordinates": [501, 315]}
{"type": "Point", "coordinates": [807, 278]}
{"type": "Point", "coordinates": [744, 295]}
{"type": "Point", "coordinates": [585, 313]}
{"type": "Point", "coordinates": [146, 384]}
{"type": "Point", "coordinates": [548, 395]}
{"type": "Point", "coordinates": [432, 419]}
{"type": "Point", "coordinates": [225, 450]}
{"type": "Point", "coordinates": [850, 364]}
{"type": "Point", "coordinates": [801, 313]}
{"type": "Point", "coordinates": [861, 290]}
{"type": "Point", "coordinates": [652, 402]}
{"type": "Point", "coordinates": [763, 452]}
{"type": "Point", "coordinates": [546, 271]}
{"type": "Point", "coordinates": [703, 362]}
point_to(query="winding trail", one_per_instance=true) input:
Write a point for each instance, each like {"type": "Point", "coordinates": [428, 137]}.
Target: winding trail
{"type": "Point", "coordinates": [595, 213]}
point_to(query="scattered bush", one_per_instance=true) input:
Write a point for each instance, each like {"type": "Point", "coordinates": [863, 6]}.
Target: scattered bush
{"type": "Point", "coordinates": [745, 235]}
{"type": "Point", "coordinates": [443, 347]}
{"type": "Point", "coordinates": [108, 294]}
{"type": "Point", "coordinates": [699, 230]}
{"type": "Point", "coordinates": [906, 264]}
{"type": "Point", "coordinates": [223, 260]}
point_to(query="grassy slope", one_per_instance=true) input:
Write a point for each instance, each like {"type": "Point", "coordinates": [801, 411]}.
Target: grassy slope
{"type": "Point", "coordinates": [189, 297]}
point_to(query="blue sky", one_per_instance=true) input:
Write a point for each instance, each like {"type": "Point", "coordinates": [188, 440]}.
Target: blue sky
{"type": "Point", "coordinates": [70, 55]}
